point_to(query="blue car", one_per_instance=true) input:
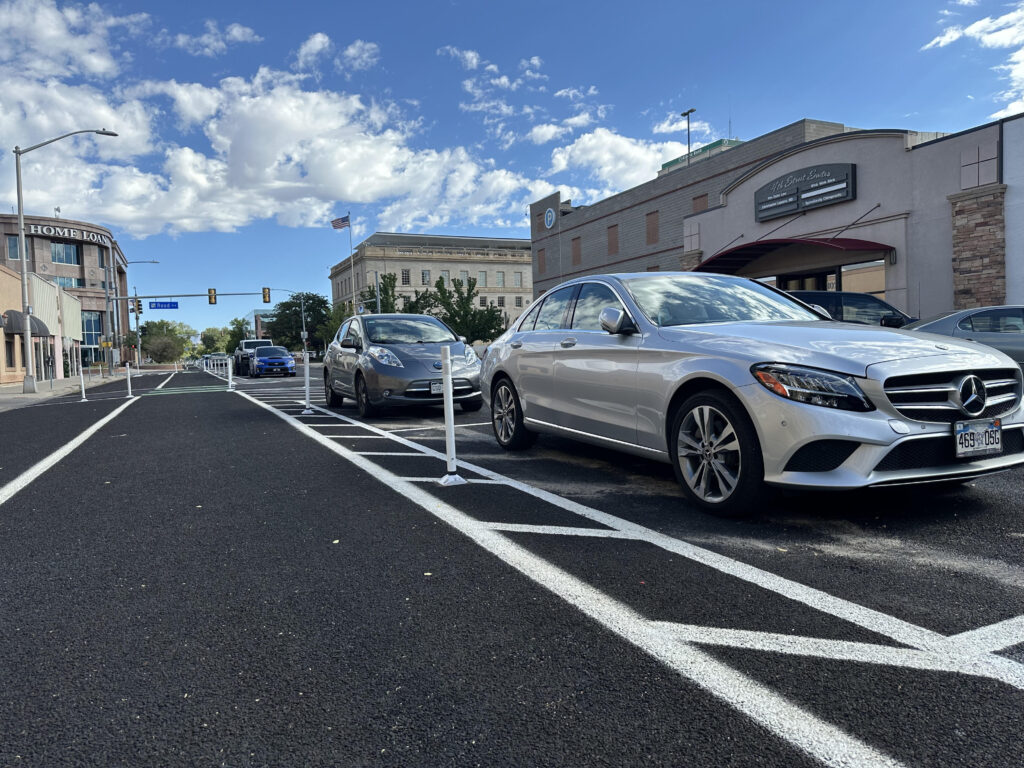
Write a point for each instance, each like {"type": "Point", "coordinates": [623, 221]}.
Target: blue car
{"type": "Point", "coordinates": [271, 360]}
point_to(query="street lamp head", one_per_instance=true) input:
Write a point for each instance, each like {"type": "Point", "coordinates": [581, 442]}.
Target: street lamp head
{"type": "Point", "coordinates": [105, 132]}
{"type": "Point", "coordinates": [690, 111]}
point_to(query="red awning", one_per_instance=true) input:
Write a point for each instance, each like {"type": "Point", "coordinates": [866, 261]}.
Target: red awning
{"type": "Point", "coordinates": [733, 260]}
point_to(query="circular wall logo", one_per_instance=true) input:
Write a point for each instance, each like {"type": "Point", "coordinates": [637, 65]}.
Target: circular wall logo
{"type": "Point", "coordinates": [549, 218]}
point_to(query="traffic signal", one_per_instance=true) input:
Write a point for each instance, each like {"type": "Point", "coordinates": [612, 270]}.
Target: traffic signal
{"type": "Point", "coordinates": [131, 305]}
{"type": "Point", "coordinates": [266, 295]}
{"type": "Point", "coordinates": [138, 307]}
{"type": "Point", "coordinates": [212, 295]}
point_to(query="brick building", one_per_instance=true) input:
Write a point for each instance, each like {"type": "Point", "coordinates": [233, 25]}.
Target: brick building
{"type": "Point", "coordinates": [931, 222]}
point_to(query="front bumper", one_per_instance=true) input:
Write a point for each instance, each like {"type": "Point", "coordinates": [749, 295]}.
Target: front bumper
{"type": "Point", "coordinates": [807, 446]}
{"type": "Point", "coordinates": [387, 386]}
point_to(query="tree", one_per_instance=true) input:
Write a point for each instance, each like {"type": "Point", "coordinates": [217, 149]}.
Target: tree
{"type": "Point", "coordinates": [238, 330]}
{"type": "Point", "coordinates": [388, 296]}
{"type": "Point", "coordinates": [456, 307]}
{"type": "Point", "coordinates": [339, 314]}
{"type": "Point", "coordinates": [165, 340]}
{"type": "Point", "coordinates": [286, 327]}
{"type": "Point", "coordinates": [421, 303]}
{"type": "Point", "coordinates": [214, 340]}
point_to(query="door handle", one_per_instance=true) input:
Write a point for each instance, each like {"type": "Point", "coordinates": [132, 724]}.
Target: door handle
{"type": "Point", "coordinates": [515, 344]}
{"type": "Point", "coordinates": [566, 343]}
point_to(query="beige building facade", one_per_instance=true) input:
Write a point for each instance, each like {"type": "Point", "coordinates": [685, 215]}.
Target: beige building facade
{"type": "Point", "coordinates": [931, 222]}
{"type": "Point", "coordinates": [86, 263]}
{"type": "Point", "coordinates": [501, 267]}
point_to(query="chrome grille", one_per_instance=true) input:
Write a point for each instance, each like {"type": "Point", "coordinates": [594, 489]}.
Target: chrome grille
{"type": "Point", "coordinates": [935, 396]}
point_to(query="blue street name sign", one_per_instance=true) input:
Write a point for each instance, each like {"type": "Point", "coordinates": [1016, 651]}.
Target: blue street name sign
{"type": "Point", "coordinates": [163, 305]}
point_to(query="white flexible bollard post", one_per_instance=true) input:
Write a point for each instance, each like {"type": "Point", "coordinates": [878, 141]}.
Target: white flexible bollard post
{"type": "Point", "coordinates": [128, 377]}
{"type": "Point", "coordinates": [81, 380]}
{"type": "Point", "coordinates": [309, 409]}
{"type": "Point", "coordinates": [452, 475]}
{"type": "Point", "coordinates": [231, 381]}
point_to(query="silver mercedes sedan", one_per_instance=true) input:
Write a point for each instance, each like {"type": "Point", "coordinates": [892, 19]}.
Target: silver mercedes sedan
{"type": "Point", "coordinates": [737, 385]}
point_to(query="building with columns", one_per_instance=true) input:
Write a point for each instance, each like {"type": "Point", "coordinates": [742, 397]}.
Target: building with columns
{"type": "Point", "coordinates": [931, 222]}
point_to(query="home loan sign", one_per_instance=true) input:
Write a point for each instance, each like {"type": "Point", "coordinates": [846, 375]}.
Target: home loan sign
{"type": "Point", "coordinates": [805, 189]}
{"type": "Point", "coordinates": [68, 233]}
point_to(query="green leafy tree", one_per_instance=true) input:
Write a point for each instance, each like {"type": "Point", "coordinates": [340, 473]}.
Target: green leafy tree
{"type": "Point", "coordinates": [456, 306]}
{"type": "Point", "coordinates": [286, 328]}
{"type": "Point", "coordinates": [421, 303]}
{"type": "Point", "coordinates": [388, 295]}
{"type": "Point", "coordinates": [238, 329]}
{"type": "Point", "coordinates": [214, 340]}
{"type": "Point", "coordinates": [339, 314]}
{"type": "Point", "coordinates": [166, 340]}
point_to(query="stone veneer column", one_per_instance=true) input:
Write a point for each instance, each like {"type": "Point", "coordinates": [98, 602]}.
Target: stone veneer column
{"type": "Point", "coordinates": [979, 246]}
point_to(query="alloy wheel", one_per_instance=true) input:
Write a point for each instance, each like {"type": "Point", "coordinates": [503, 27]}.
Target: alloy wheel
{"type": "Point", "coordinates": [709, 454]}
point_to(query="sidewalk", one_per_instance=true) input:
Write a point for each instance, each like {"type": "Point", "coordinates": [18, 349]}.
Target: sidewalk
{"type": "Point", "coordinates": [11, 395]}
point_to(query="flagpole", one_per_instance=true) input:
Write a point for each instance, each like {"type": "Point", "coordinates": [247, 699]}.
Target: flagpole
{"type": "Point", "coordinates": [352, 262]}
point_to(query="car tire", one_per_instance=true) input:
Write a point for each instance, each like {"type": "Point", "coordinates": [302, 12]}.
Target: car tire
{"type": "Point", "coordinates": [366, 408]}
{"type": "Point", "coordinates": [334, 400]}
{"type": "Point", "coordinates": [716, 454]}
{"type": "Point", "coordinates": [507, 417]}
{"type": "Point", "coordinates": [472, 406]}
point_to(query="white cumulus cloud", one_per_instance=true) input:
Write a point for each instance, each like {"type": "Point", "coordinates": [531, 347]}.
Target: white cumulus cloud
{"type": "Point", "coordinates": [617, 162]}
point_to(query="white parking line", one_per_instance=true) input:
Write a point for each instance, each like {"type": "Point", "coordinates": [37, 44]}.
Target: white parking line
{"type": "Point", "coordinates": [829, 744]}
{"type": "Point", "coordinates": [994, 637]}
{"type": "Point", "coordinates": [37, 469]}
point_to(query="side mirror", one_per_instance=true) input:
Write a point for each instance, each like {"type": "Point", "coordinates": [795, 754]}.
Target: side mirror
{"type": "Point", "coordinates": [347, 343]}
{"type": "Point", "coordinates": [822, 310]}
{"type": "Point", "coordinates": [463, 339]}
{"type": "Point", "coordinates": [892, 321]}
{"type": "Point", "coordinates": [615, 321]}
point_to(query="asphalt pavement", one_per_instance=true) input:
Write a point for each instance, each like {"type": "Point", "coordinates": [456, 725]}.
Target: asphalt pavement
{"type": "Point", "coordinates": [218, 578]}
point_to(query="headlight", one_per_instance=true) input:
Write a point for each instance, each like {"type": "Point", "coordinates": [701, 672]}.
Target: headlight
{"type": "Point", "coordinates": [470, 354]}
{"type": "Point", "coordinates": [811, 386]}
{"type": "Point", "coordinates": [385, 356]}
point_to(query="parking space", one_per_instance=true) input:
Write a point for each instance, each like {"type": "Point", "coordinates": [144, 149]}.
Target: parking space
{"type": "Point", "coordinates": [908, 602]}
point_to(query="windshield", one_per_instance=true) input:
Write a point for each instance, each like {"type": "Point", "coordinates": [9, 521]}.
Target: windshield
{"type": "Point", "coordinates": [687, 299]}
{"type": "Point", "coordinates": [412, 330]}
{"type": "Point", "coordinates": [271, 351]}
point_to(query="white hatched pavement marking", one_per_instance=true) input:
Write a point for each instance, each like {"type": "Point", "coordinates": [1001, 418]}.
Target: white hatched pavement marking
{"type": "Point", "coordinates": [825, 742]}
{"type": "Point", "coordinates": [883, 624]}
{"type": "Point", "coordinates": [37, 469]}
{"type": "Point", "coordinates": [994, 637]}
{"type": "Point", "coordinates": [164, 382]}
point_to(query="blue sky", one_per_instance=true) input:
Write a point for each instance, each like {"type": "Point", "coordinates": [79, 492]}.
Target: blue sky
{"type": "Point", "coordinates": [245, 128]}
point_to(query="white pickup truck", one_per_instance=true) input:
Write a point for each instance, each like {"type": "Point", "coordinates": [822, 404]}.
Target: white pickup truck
{"type": "Point", "coordinates": [243, 350]}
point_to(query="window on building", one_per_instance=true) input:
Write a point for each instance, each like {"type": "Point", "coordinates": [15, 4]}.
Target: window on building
{"type": "Point", "coordinates": [12, 247]}
{"type": "Point", "coordinates": [406, 277]}
{"type": "Point", "coordinates": [425, 277]}
{"type": "Point", "coordinates": [501, 301]}
{"type": "Point", "coordinates": [652, 227]}
{"type": "Point", "coordinates": [613, 240]}
{"type": "Point", "coordinates": [519, 301]}
{"type": "Point", "coordinates": [101, 257]}
{"type": "Point", "coordinates": [405, 301]}
{"type": "Point", "coordinates": [464, 276]}
{"type": "Point", "coordinates": [481, 278]}
{"type": "Point", "coordinates": [446, 276]}
{"type": "Point", "coordinates": [517, 279]}
{"type": "Point", "coordinates": [542, 265]}
{"type": "Point", "coordinates": [92, 328]}
{"type": "Point", "coordinates": [499, 279]}
{"type": "Point", "coordinates": [700, 203]}
{"type": "Point", "coordinates": [70, 282]}
{"type": "Point", "coordinates": [483, 301]}
{"type": "Point", "coordinates": [64, 253]}
{"type": "Point", "coordinates": [577, 251]}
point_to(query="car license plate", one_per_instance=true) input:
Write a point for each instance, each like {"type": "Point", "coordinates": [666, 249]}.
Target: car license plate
{"type": "Point", "coordinates": [436, 388]}
{"type": "Point", "coordinates": [977, 438]}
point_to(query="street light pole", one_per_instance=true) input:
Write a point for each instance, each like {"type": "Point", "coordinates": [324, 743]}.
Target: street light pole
{"type": "Point", "coordinates": [687, 114]}
{"type": "Point", "coordinates": [29, 384]}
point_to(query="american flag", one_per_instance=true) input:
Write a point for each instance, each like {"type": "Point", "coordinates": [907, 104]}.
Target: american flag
{"type": "Point", "coordinates": [340, 223]}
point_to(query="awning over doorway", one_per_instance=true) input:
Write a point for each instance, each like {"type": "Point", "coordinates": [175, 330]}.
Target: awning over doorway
{"type": "Point", "coordinates": [14, 322]}
{"type": "Point", "coordinates": [733, 260]}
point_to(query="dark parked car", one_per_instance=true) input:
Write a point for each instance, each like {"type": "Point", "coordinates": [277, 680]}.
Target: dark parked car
{"type": "Point", "coordinates": [384, 360]}
{"type": "Point", "coordinates": [999, 327]}
{"type": "Point", "coordinates": [850, 307]}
